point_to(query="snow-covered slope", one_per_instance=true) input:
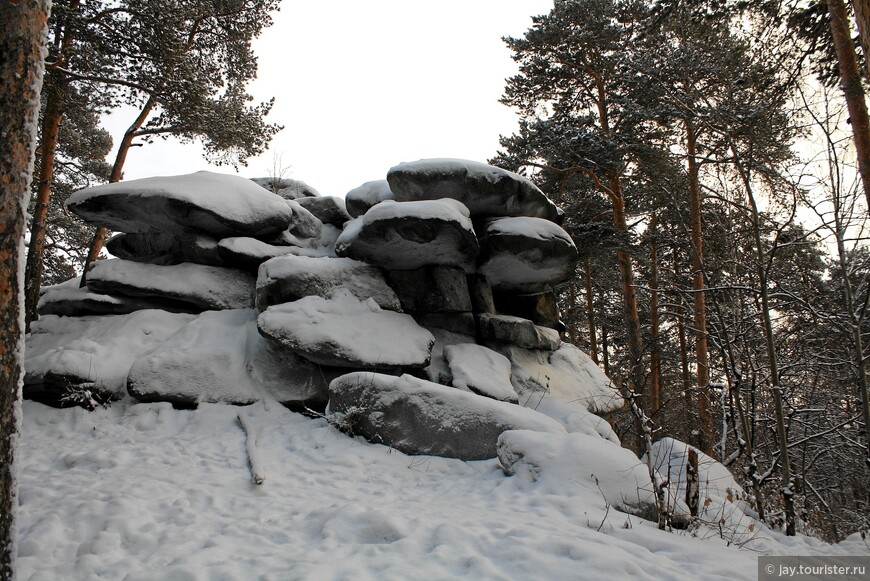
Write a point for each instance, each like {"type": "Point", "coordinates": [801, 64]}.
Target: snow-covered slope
{"type": "Point", "coordinates": [145, 492]}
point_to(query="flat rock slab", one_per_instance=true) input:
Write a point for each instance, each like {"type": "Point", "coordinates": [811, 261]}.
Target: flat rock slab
{"type": "Point", "coordinates": [346, 332]}
{"type": "Point", "coordinates": [206, 287]}
{"type": "Point", "coordinates": [416, 416]}
{"type": "Point", "coordinates": [486, 190]}
{"type": "Point", "coordinates": [327, 209]}
{"type": "Point", "coordinates": [516, 331]}
{"type": "Point", "coordinates": [290, 278]}
{"type": "Point", "coordinates": [70, 301]}
{"type": "Point", "coordinates": [432, 289]}
{"type": "Point", "coordinates": [93, 352]}
{"type": "Point", "coordinates": [527, 255]}
{"type": "Point", "coordinates": [219, 357]}
{"type": "Point", "coordinates": [410, 235]}
{"type": "Point", "coordinates": [480, 370]}
{"type": "Point", "coordinates": [164, 248]}
{"type": "Point", "coordinates": [359, 200]}
{"type": "Point", "coordinates": [249, 253]}
{"type": "Point", "coordinates": [204, 202]}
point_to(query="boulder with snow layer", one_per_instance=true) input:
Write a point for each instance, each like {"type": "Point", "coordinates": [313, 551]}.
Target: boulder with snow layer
{"type": "Point", "coordinates": [416, 416]}
{"type": "Point", "coordinates": [486, 190]}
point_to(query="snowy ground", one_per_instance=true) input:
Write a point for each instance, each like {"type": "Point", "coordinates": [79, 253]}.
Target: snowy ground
{"type": "Point", "coordinates": [146, 492]}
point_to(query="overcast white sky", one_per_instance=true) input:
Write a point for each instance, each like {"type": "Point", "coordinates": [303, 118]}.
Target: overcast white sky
{"type": "Point", "coordinates": [362, 86]}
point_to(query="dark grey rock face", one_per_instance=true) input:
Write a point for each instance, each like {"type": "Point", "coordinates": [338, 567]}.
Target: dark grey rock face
{"type": "Point", "coordinates": [327, 209]}
{"type": "Point", "coordinates": [204, 202]}
{"type": "Point", "coordinates": [486, 190]}
{"type": "Point", "coordinates": [542, 309]}
{"type": "Point", "coordinates": [359, 200]}
{"type": "Point", "coordinates": [526, 255]}
{"type": "Point", "coordinates": [407, 236]}
{"type": "Point", "coordinates": [516, 331]}
{"type": "Point", "coordinates": [290, 278]}
{"type": "Point", "coordinates": [432, 289]}
{"type": "Point", "coordinates": [416, 416]}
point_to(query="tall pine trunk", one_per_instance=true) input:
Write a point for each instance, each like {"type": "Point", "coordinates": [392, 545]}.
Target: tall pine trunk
{"type": "Point", "coordinates": [702, 356]}
{"type": "Point", "coordinates": [655, 355]}
{"type": "Point", "coordinates": [22, 42]}
{"type": "Point", "coordinates": [50, 130]}
{"type": "Point", "coordinates": [590, 310]}
{"type": "Point", "coordinates": [850, 82]}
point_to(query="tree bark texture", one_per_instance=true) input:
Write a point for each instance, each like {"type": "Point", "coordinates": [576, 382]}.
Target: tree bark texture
{"type": "Point", "coordinates": [702, 356]}
{"type": "Point", "coordinates": [22, 41]}
{"type": "Point", "coordinates": [861, 9]}
{"type": "Point", "coordinates": [51, 121]}
{"type": "Point", "coordinates": [850, 82]}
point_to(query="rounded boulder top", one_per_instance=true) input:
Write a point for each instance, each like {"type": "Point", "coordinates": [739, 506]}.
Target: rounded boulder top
{"type": "Point", "coordinates": [205, 202]}
{"type": "Point", "coordinates": [486, 190]}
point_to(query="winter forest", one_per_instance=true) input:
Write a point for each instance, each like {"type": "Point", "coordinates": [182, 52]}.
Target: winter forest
{"type": "Point", "coordinates": [711, 163]}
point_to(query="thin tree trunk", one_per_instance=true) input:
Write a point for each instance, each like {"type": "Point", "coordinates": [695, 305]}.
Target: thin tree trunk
{"type": "Point", "coordinates": [116, 175]}
{"type": "Point", "coordinates": [655, 355]}
{"type": "Point", "coordinates": [22, 42]}
{"type": "Point", "coordinates": [590, 310]}
{"type": "Point", "coordinates": [702, 357]}
{"type": "Point", "coordinates": [787, 487]}
{"type": "Point", "coordinates": [51, 121]}
{"type": "Point", "coordinates": [850, 82]}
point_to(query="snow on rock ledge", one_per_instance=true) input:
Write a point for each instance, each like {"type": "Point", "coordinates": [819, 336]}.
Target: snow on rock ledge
{"type": "Point", "coordinates": [416, 416]}
{"type": "Point", "coordinates": [347, 332]}
{"type": "Point", "coordinates": [203, 287]}
{"type": "Point", "coordinates": [205, 202]}
{"type": "Point", "coordinates": [486, 190]}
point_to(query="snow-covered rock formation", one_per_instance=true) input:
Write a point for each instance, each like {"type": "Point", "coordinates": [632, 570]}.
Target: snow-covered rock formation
{"type": "Point", "coordinates": [420, 313]}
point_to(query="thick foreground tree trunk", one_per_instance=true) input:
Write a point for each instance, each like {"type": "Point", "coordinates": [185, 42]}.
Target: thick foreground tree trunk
{"type": "Point", "coordinates": [22, 40]}
{"type": "Point", "coordinates": [850, 82]}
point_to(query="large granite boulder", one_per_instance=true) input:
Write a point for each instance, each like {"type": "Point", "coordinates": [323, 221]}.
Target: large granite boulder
{"type": "Point", "coordinates": [327, 209]}
{"type": "Point", "coordinates": [516, 331]}
{"type": "Point", "coordinates": [542, 309]}
{"type": "Point", "coordinates": [526, 255]}
{"type": "Point", "coordinates": [410, 235]}
{"type": "Point", "coordinates": [81, 357]}
{"type": "Point", "coordinates": [200, 286]}
{"type": "Point", "coordinates": [204, 202]}
{"type": "Point", "coordinates": [347, 332]}
{"type": "Point", "coordinates": [219, 357]}
{"type": "Point", "coordinates": [486, 190]}
{"type": "Point", "coordinates": [304, 224]}
{"type": "Point", "coordinates": [290, 278]}
{"type": "Point", "coordinates": [416, 416]}
{"type": "Point", "coordinates": [359, 200]}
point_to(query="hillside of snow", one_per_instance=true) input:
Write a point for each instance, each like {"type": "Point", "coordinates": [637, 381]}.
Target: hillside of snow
{"type": "Point", "coordinates": [142, 491]}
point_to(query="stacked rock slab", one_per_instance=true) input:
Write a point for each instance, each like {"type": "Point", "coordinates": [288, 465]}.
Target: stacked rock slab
{"type": "Point", "coordinates": [422, 309]}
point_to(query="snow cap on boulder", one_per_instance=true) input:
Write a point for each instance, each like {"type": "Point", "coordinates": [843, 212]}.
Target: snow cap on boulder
{"type": "Point", "coordinates": [347, 332]}
{"type": "Point", "coordinates": [527, 255]}
{"type": "Point", "coordinates": [485, 189]}
{"type": "Point", "coordinates": [410, 235]}
{"type": "Point", "coordinates": [203, 202]}
{"type": "Point", "coordinates": [360, 199]}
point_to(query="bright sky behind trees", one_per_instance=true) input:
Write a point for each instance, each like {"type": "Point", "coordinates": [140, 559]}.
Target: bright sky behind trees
{"type": "Point", "coordinates": [363, 86]}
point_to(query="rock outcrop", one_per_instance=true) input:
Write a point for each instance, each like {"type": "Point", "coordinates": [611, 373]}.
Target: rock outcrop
{"type": "Point", "coordinates": [422, 307]}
